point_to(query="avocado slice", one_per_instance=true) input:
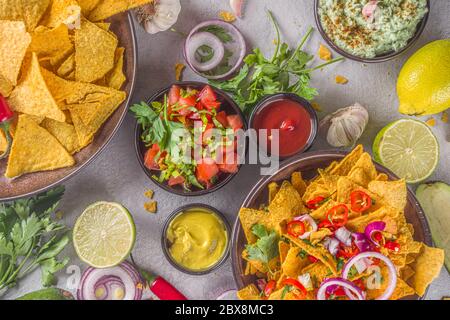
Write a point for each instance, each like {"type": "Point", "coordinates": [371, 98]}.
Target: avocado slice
{"type": "Point", "coordinates": [435, 201]}
{"type": "Point", "coordinates": [48, 294]}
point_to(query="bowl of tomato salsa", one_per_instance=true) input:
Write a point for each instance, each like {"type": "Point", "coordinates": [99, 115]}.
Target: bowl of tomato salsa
{"type": "Point", "coordinates": [293, 117]}
{"type": "Point", "coordinates": [208, 119]}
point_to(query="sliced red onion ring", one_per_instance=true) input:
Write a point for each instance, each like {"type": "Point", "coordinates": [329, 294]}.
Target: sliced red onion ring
{"type": "Point", "coordinates": [344, 236]}
{"type": "Point", "coordinates": [361, 241]}
{"type": "Point", "coordinates": [194, 42]}
{"type": "Point", "coordinates": [371, 228]}
{"type": "Point", "coordinates": [310, 221]}
{"type": "Point", "coordinates": [332, 245]}
{"type": "Point", "coordinates": [362, 265]}
{"type": "Point", "coordinates": [353, 292]}
{"type": "Point", "coordinates": [392, 271]}
{"type": "Point", "coordinates": [123, 277]}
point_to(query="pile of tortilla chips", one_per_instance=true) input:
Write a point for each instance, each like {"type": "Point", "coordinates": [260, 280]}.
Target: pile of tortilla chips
{"type": "Point", "coordinates": [308, 261]}
{"type": "Point", "coordinates": [61, 70]}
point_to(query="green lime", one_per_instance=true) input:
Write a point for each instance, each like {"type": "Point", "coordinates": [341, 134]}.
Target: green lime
{"type": "Point", "coordinates": [408, 148]}
{"type": "Point", "coordinates": [104, 234]}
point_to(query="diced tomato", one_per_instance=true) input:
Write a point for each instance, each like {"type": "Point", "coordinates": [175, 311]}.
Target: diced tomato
{"type": "Point", "coordinates": [206, 170]}
{"type": "Point", "coordinates": [208, 133]}
{"type": "Point", "coordinates": [231, 167]}
{"type": "Point", "coordinates": [149, 159]}
{"type": "Point", "coordinates": [207, 94]}
{"type": "Point", "coordinates": [393, 246]}
{"type": "Point", "coordinates": [235, 122]}
{"type": "Point", "coordinates": [312, 259]}
{"type": "Point", "coordinates": [210, 105]}
{"type": "Point", "coordinates": [190, 101]}
{"type": "Point", "coordinates": [347, 252]}
{"type": "Point", "coordinates": [174, 94]}
{"type": "Point", "coordinates": [270, 287]}
{"type": "Point", "coordinates": [222, 118]}
{"type": "Point", "coordinates": [174, 181]}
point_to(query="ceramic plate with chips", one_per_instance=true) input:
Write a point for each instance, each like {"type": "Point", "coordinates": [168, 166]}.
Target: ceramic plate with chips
{"type": "Point", "coordinates": [69, 95]}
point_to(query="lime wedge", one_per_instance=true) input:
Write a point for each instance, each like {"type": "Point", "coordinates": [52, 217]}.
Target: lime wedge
{"type": "Point", "coordinates": [104, 234]}
{"type": "Point", "coordinates": [408, 148]}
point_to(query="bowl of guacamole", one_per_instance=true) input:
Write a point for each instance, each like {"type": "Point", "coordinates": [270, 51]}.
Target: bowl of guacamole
{"type": "Point", "coordinates": [196, 239]}
{"type": "Point", "coordinates": [371, 30]}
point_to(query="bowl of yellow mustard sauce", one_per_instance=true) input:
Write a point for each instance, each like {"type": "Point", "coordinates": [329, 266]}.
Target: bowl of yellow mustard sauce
{"type": "Point", "coordinates": [196, 239]}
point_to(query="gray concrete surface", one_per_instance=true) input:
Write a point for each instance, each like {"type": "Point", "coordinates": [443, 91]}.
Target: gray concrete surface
{"type": "Point", "coordinates": [117, 176]}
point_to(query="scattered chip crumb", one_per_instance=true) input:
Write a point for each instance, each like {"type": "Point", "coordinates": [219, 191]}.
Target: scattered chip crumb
{"type": "Point", "coordinates": [444, 117]}
{"type": "Point", "coordinates": [431, 122]}
{"type": "Point", "coordinates": [151, 206]}
{"type": "Point", "coordinates": [341, 80]}
{"type": "Point", "coordinates": [324, 53]}
{"type": "Point", "coordinates": [179, 68]}
{"type": "Point", "coordinates": [149, 193]}
{"type": "Point", "coordinates": [139, 286]}
{"type": "Point", "coordinates": [316, 106]}
{"type": "Point", "coordinates": [227, 16]}
{"type": "Point", "coordinates": [59, 214]}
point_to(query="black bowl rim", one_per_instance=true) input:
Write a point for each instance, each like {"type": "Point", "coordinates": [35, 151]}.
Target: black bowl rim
{"type": "Point", "coordinates": [264, 102]}
{"type": "Point", "coordinates": [138, 142]}
{"type": "Point", "coordinates": [381, 58]}
{"type": "Point", "coordinates": [316, 154]}
{"type": "Point", "coordinates": [165, 247]}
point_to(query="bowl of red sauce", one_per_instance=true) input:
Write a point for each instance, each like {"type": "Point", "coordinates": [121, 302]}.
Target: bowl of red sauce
{"type": "Point", "coordinates": [293, 117]}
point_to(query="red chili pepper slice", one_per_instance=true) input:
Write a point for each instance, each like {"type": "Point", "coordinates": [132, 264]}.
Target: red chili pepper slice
{"type": "Point", "coordinates": [315, 203]}
{"type": "Point", "coordinates": [338, 215]}
{"type": "Point", "coordinates": [270, 286]}
{"type": "Point", "coordinates": [296, 228]}
{"type": "Point", "coordinates": [5, 122]}
{"type": "Point", "coordinates": [297, 285]}
{"type": "Point", "coordinates": [312, 259]}
{"type": "Point", "coordinates": [393, 246]}
{"type": "Point", "coordinates": [347, 252]}
{"type": "Point", "coordinates": [360, 201]}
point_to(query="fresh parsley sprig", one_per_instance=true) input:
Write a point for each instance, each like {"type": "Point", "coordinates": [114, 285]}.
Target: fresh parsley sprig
{"type": "Point", "coordinates": [266, 247]}
{"type": "Point", "coordinates": [31, 238]}
{"type": "Point", "coordinates": [286, 71]}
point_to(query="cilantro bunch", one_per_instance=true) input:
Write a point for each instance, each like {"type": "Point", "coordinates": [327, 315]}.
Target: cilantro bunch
{"type": "Point", "coordinates": [285, 72]}
{"type": "Point", "coordinates": [30, 238]}
{"type": "Point", "coordinates": [266, 247]}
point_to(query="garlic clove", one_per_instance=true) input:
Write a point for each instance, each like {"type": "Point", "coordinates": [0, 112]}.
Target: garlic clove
{"type": "Point", "coordinates": [159, 15]}
{"type": "Point", "coordinates": [345, 126]}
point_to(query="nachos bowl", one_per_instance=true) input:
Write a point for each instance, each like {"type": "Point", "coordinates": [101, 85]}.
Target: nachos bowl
{"type": "Point", "coordinates": [308, 164]}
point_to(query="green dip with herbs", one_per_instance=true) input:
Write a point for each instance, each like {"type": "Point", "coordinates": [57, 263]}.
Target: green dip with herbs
{"type": "Point", "coordinates": [369, 28]}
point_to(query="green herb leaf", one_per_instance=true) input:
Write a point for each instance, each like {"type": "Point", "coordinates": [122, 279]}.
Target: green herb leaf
{"type": "Point", "coordinates": [219, 32]}
{"type": "Point", "coordinates": [266, 247]}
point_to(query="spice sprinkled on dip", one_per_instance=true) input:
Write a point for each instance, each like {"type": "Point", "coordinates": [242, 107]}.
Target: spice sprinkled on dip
{"type": "Point", "coordinates": [292, 118]}
{"type": "Point", "coordinates": [198, 239]}
{"type": "Point", "coordinates": [369, 28]}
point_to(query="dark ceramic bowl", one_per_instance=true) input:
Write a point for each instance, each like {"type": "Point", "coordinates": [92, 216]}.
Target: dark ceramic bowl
{"type": "Point", "coordinates": [166, 245]}
{"type": "Point", "coordinates": [33, 183]}
{"type": "Point", "coordinates": [293, 97]}
{"type": "Point", "coordinates": [380, 58]}
{"type": "Point", "coordinates": [308, 164]}
{"type": "Point", "coordinates": [228, 105]}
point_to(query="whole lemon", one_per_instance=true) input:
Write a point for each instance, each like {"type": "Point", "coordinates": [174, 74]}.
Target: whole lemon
{"type": "Point", "coordinates": [423, 85]}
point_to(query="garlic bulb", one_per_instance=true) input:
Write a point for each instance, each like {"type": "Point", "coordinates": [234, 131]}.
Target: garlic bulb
{"type": "Point", "coordinates": [159, 15]}
{"type": "Point", "coordinates": [345, 126]}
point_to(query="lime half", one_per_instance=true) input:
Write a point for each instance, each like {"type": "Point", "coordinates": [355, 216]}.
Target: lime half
{"type": "Point", "coordinates": [408, 148]}
{"type": "Point", "coordinates": [104, 234]}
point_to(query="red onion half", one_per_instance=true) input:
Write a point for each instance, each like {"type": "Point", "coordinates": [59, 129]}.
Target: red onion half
{"type": "Point", "coordinates": [116, 283]}
{"type": "Point", "coordinates": [392, 271]}
{"type": "Point", "coordinates": [372, 228]}
{"type": "Point", "coordinates": [361, 241]}
{"type": "Point", "coordinates": [353, 291]}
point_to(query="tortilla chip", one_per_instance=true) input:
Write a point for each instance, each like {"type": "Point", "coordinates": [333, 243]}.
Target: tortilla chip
{"type": "Point", "coordinates": [3, 142]}
{"type": "Point", "coordinates": [402, 290]}
{"type": "Point", "coordinates": [286, 205]}
{"type": "Point", "coordinates": [407, 272]}
{"type": "Point", "coordinates": [344, 167]}
{"type": "Point", "coordinates": [394, 192]}
{"type": "Point", "coordinates": [116, 78]}
{"type": "Point", "coordinates": [87, 6]}
{"type": "Point", "coordinates": [329, 181]}
{"type": "Point", "coordinates": [59, 12]}
{"type": "Point", "coordinates": [283, 249]}
{"type": "Point", "coordinates": [318, 272]}
{"type": "Point", "coordinates": [298, 183]}
{"type": "Point", "coordinates": [273, 190]}
{"type": "Point", "coordinates": [33, 11]}
{"type": "Point", "coordinates": [14, 41]}
{"type": "Point", "coordinates": [250, 217]}
{"type": "Point", "coordinates": [104, 25]}
{"type": "Point", "coordinates": [318, 252]}
{"type": "Point", "coordinates": [365, 162]}
{"type": "Point", "coordinates": [53, 45]}
{"type": "Point", "coordinates": [319, 235]}
{"type": "Point", "coordinates": [32, 95]}
{"type": "Point", "coordinates": [382, 177]}
{"type": "Point", "coordinates": [294, 262]}
{"type": "Point", "coordinates": [321, 213]}
{"type": "Point", "coordinates": [108, 8]}
{"type": "Point", "coordinates": [67, 67]}
{"type": "Point", "coordinates": [250, 292]}
{"type": "Point", "coordinates": [35, 149]}
{"type": "Point", "coordinates": [359, 176]}
{"type": "Point", "coordinates": [11, 10]}
{"type": "Point", "coordinates": [94, 52]}
{"type": "Point", "coordinates": [64, 132]}
{"type": "Point", "coordinates": [427, 266]}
